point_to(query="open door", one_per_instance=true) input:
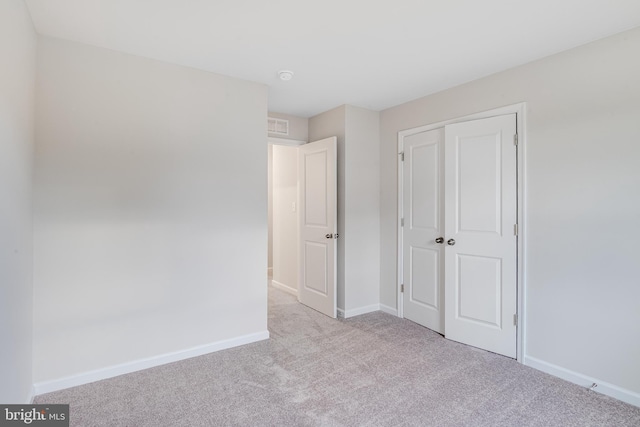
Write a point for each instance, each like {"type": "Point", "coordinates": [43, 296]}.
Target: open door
{"type": "Point", "coordinates": [317, 179]}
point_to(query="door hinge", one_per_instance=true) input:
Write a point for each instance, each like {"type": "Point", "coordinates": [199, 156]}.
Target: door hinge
{"type": "Point", "coordinates": [515, 229]}
{"type": "Point", "coordinates": [515, 320]}
{"type": "Point", "coordinates": [515, 139]}
{"type": "Point", "coordinates": [401, 156]}
{"type": "Point", "coordinates": [402, 288]}
{"type": "Point", "coordinates": [401, 222]}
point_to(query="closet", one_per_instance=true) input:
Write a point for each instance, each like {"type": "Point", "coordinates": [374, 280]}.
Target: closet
{"type": "Point", "coordinates": [459, 231]}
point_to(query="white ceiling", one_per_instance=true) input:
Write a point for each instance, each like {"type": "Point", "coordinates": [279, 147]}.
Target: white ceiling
{"type": "Point", "coordinates": [369, 53]}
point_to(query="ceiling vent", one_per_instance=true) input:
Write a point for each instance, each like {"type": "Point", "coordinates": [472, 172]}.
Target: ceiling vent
{"type": "Point", "coordinates": [278, 126]}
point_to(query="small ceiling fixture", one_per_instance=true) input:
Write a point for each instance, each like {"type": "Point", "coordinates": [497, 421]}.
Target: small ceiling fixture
{"type": "Point", "coordinates": [285, 75]}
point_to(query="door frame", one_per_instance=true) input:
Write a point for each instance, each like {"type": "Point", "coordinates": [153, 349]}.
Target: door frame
{"type": "Point", "coordinates": [520, 110]}
{"type": "Point", "coordinates": [283, 141]}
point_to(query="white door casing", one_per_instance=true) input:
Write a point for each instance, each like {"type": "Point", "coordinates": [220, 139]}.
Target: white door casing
{"type": "Point", "coordinates": [423, 216]}
{"type": "Point", "coordinates": [480, 233]}
{"type": "Point", "coordinates": [317, 169]}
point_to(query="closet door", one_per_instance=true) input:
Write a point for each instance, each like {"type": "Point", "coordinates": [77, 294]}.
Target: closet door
{"type": "Point", "coordinates": [423, 210]}
{"type": "Point", "coordinates": [480, 242]}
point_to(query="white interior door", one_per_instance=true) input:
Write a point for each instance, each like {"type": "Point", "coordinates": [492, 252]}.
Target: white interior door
{"type": "Point", "coordinates": [423, 213]}
{"type": "Point", "coordinates": [480, 233]}
{"type": "Point", "coordinates": [317, 179]}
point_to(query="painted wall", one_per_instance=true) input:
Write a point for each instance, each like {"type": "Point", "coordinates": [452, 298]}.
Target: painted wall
{"type": "Point", "coordinates": [17, 87]}
{"type": "Point", "coordinates": [149, 207]}
{"type": "Point", "coordinates": [582, 208]}
{"type": "Point", "coordinates": [285, 217]}
{"type": "Point", "coordinates": [362, 218]}
{"type": "Point", "coordinates": [357, 130]}
{"type": "Point", "coordinates": [298, 127]}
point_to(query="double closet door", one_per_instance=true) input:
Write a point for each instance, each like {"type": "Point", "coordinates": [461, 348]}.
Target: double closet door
{"type": "Point", "coordinates": [459, 233]}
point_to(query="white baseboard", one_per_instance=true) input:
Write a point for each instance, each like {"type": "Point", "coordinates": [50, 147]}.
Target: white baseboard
{"type": "Point", "coordinates": [284, 287]}
{"type": "Point", "coordinates": [367, 309]}
{"type": "Point", "coordinates": [138, 365]}
{"type": "Point", "coordinates": [388, 310]}
{"type": "Point", "coordinates": [586, 381]}
{"type": "Point", "coordinates": [360, 310]}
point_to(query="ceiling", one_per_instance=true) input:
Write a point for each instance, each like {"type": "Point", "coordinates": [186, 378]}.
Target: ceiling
{"type": "Point", "coordinates": [369, 53]}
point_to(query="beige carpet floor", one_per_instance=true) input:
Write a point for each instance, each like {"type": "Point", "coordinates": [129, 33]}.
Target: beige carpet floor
{"type": "Point", "coordinates": [371, 370]}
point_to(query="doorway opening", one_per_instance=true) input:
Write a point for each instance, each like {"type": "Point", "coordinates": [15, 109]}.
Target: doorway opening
{"type": "Point", "coordinates": [282, 214]}
{"type": "Point", "coordinates": [303, 222]}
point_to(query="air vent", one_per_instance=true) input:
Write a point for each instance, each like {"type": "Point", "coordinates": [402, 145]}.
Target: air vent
{"type": "Point", "coordinates": [278, 126]}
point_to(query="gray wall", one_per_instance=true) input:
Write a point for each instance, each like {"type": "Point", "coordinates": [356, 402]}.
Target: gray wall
{"type": "Point", "coordinates": [17, 83]}
{"type": "Point", "coordinates": [357, 130]}
{"type": "Point", "coordinates": [150, 209]}
{"type": "Point", "coordinates": [362, 238]}
{"type": "Point", "coordinates": [582, 206]}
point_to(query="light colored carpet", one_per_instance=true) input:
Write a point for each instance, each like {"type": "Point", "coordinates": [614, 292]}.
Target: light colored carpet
{"type": "Point", "coordinates": [371, 370]}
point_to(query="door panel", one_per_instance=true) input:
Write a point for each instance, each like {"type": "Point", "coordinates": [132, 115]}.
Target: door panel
{"type": "Point", "coordinates": [478, 183]}
{"type": "Point", "coordinates": [479, 289]}
{"type": "Point", "coordinates": [480, 215]}
{"type": "Point", "coordinates": [318, 223]}
{"type": "Point", "coordinates": [423, 298]}
{"type": "Point", "coordinates": [423, 185]}
{"type": "Point", "coordinates": [315, 187]}
{"type": "Point", "coordinates": [315, 261]}
{"type": "Point", "coordinates": [424, 266]}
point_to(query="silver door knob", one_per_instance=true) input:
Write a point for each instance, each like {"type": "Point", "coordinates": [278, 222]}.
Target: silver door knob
{"type": "Point", "coordinates": [329, 236]}
{"type": "Point", "coordinates": [440, 240]}
{"type": "Point", "coordinates": [451, 242]}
